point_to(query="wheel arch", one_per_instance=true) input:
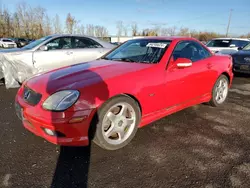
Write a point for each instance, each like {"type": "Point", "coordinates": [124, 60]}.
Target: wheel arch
{"type": "Point", "coordinates": [227, 75]}
{"type": "Point", "coordinates": [134, 98]}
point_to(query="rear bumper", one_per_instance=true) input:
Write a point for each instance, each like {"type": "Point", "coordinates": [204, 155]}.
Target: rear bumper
{"type": "Point", "coordinates": [66, 134]}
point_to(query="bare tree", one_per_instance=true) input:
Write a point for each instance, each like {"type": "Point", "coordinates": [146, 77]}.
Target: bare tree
{"type": "Point", "coordinates": [125, 30]}
{"type": "Point", "coordinates": [47, 26]}
{"type": "Point", "coordinates": [80, 29]}
{"type": "Point", "coordinates": [57, 25]}
{"type": "Point", "coordinates": [90, 30]}
{"type": "Point", "coordinates": [119, 27]}
{"type": "Point", "coordinates": [38, 22]}
{"type": "Point", "coordinates": [134, 28]}
{"type": "Point", "coordinates": [170, 31]}
{"type": "Point", "coordinates": [70, 23]}
{"type": "Point", "coordinates": [16, 25]}
{"type": "Point", "coordinates": [101, 31]}
{"type": "Point", "coordinates": [184, 32]}
{"type": "Point", "coordinates": [22, 13]}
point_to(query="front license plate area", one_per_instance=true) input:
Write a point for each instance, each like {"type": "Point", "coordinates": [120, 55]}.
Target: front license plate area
{"type": "Point", "coordinates": [244, 67]}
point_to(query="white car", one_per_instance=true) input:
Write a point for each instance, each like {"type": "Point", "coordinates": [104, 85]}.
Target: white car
{"type": "Point", "coordinates": [7, 43]}
{"type": "Point", "coordinates": [227, 45]}
{"type": "Point", "coordinates": [49, 53]}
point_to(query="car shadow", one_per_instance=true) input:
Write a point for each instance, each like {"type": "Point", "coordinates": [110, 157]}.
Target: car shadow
{"type": "Point", "coordinates": [73, 162]}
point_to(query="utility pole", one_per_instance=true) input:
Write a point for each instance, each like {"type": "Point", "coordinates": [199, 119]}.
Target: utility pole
{"type": "Point", "coordinates": [229, 21]}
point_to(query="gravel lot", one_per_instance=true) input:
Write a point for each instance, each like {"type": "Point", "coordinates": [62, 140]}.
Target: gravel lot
{"type": "Point", "coordinates": [198, 147]}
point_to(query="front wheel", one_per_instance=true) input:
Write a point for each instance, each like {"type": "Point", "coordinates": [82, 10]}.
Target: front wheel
{"type": "Point", "coordinates": [220, 91]}
{"type": "Point", "coordinates": [117, 123]}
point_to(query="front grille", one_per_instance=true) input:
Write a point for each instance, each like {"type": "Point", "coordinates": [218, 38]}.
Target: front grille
{"type": "Point", "coordinates": [31, 97]}
{"type": "Point", "coordinates": [241, 60]}
{"type": "Point", "coordinates": [11, 45]}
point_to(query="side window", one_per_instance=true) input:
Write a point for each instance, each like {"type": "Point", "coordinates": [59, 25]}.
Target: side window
{"type": "Point", "coordinates": [203, 53]}
{"type": "Point", "coordinates": [178, 49]}
{"type": "Point", "coordinates": [59, 43]}
{"type": "Point", "coordinates": [86, 43]}
{"type": "Point", "coordinates": [190, 50]}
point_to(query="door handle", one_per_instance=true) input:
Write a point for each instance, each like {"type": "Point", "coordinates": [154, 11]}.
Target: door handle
{"type": "Point", "coordinates": [69, 53]}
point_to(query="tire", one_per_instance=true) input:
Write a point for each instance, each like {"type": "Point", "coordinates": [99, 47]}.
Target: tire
{"type": "Point", "coordinates": [98, 125]}
{"type": "Point", "coordinates": [2, 81]}
{"type": "Point", "coordinates": [214, 101]}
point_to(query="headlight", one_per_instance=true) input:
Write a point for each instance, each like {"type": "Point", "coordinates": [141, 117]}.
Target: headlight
{"type": "Point", "coordinates": [61, 100]}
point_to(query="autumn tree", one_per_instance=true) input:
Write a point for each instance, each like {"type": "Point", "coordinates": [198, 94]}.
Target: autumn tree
{"type": "Point", "coordinates": [149, 32]}
{"type": "Point", "coordinates": [70, 23]}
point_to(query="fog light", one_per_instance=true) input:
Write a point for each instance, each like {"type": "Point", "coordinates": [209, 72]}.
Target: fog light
{"type": "Point", "coordinates": [49, 132]}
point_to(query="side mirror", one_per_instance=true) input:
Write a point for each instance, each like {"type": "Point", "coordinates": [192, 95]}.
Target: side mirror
{"type": "Point", "coordinates": [183, 62]}
{"type": "Point", "coordinates": [44, 48]}
{"type": "Point", "coordinates": [232, 46]}
{"type": "Point", "coordinates": [240, 48]}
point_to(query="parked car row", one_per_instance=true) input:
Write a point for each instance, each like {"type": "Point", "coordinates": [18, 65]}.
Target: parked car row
{"type": "Point", "coordinates": [7, 43]}
{"type": "Point", "coordinates": [14, 42]}
{"type": "Point", "coordinates": [128, 87]}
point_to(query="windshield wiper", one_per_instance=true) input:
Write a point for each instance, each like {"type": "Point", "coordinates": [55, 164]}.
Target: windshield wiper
{"type": "Point", "coordinates": [123, 59]}
{"type": "Point", "coordinates": [104, 58]}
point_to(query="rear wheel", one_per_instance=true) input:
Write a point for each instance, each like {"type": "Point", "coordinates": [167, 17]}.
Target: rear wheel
{"type": "Point", "coordinates": [117, 123]}
{"type": "Point", "coordinates": [220, 91]}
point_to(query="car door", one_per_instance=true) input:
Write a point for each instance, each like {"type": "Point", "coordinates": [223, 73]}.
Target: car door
{"type": "Point", "coordinates": [59, 53]}
{"type": "Point", "coordinates": [175, 79]}
{"type": "Point", "coordinates": [86, 49]}
{"type": "Point", "coordinates": [200, 76]}
{"type": "Point", "coordinates": [195, 80]}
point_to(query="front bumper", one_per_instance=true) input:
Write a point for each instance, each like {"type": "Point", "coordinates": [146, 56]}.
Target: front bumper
{"type": "Point", "coordinates": [67, 134]}
{"type": "Point", "coordinates": [239, 68]}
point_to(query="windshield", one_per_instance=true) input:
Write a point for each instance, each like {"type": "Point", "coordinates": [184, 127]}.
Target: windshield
{"type": "Point", "coordinates": [36, 43]}
{"type": "Point", "coordinates": [219, 43]}
{"type": "Point", "coordinates": [140, 51]}
{"type": "Point", "coordinates": [247, 47]}
{"type": "Point", "coordinates": [7, 40]}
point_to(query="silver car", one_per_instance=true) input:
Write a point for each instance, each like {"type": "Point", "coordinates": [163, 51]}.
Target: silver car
{"type": "Point", "coordinates": [49, 53]}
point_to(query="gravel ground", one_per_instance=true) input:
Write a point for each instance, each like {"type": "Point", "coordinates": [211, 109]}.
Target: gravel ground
{"type": "Point", "coordinates": [197, 147]}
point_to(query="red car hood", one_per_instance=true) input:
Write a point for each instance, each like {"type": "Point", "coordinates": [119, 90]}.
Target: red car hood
{"type": "Point", "coordinates": [81, 75]}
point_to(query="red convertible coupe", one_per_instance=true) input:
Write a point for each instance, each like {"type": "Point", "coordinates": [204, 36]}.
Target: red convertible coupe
{"type": "Point", "coordinates": [133, 85]}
